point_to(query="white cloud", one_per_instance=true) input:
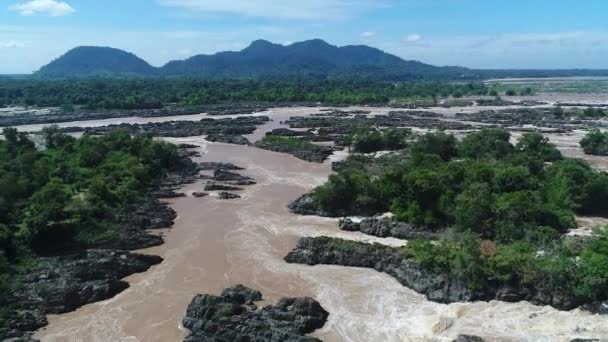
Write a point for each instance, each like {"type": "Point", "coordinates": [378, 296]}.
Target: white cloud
{"type": "Point", "coordinates": [11, 44]}
{"type": "Point", "coordinates": [279, 9]}
{"type": "Point", "coordinates": [47, 7]}
{"type": "Point", "coordinates": [414, 37]}
{"type": "Point", "coordinates": [368, 34]}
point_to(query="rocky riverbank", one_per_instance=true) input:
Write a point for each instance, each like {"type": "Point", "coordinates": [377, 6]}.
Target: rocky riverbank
{"type": "Point", "coordinates": [59, 116]}
{"type": "Point", "coordinates": [60, 284]}
{"type": "Point", "coordinates": [177, 129]}
{"type": "Point", "coordinates": [63, 283]}
{"type": "Point", "coordinates": [306, 205]}
{"type": "Point", "coordinates": [437, 285]}
{"type": "Point", "coordinates": [340, 124]}
{"type": "Point", "coordinates": [382, 226]}
{"type": "Point", "coordinates": [234, 316]}
{"type": "Point", "coordinates": [300, 149]}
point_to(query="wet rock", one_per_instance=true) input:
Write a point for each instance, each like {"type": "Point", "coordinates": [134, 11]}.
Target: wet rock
{"type": "Point", "coordinates": [233, 316]}
{"type": "Point", "coordinates": [285, 132]}
{"type": "Point", "coordinates": [222, 175]}
{"type": "Point", "coordinates": [219, 166]}
{"type": "Point", "coordinates": [227, 196]}
{"type": "Point", "coordinates": [600, 308]}
{"type": "Point", "coordinates": [439, 285]}
{"type": "Point", "coordinates": [305, 151]}
{"type": "Point", "coordinates": [177, 129]}
{"type": "Point", "coordinates": [386, 227]}
{"type": "Point", "coordinates": [167, 193]}
{"type": "Point", "coordinates": [200, 194]}
{"type": "Point", "coordinates": [228, 139]}
{"type": "Point", "coordinates": [61, 284]}
{"type": "Point", "coordinates": [213, 186]}
{"type": "Point", "coordinates": [468, 338]}
{"type": "Point", "coordinates": [306, 205]}
{"type": "Point", "coordinates": [187, 146]}
{"type": "Point", "coordinates": [243, 182]}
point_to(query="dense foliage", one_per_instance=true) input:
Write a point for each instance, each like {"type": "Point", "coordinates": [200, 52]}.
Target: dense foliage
{"type": "Point", "coordinates": [156, 93]}
{"type": "Point", "coordinates": [595, 143]}
{"type": "Point", "coordinates": [372, 140]}
{"type": "Point", "coordinates": [67, 196]}
{"type": "Point", "coordinates": [507, 207]}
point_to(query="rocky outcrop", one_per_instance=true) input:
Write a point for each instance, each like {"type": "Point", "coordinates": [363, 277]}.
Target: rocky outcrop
{"type": "Point", "coordinates": [177, 129]}
{"type": "Point", "coordinates": [307, 151]}
{"type": "Point", "coordinates": [219, 166]}
{"type": "Point", "coordinates": [61, 284]}
{"type": "Point", "coordinates": [285, 132]}
{"type": "Point", "coordinates": [438, 285]}
{"type": "Point", "coordinates": [306, 205]}
{"type": "Point", "coordinates": [213, 186]}
{"type": "Point", "coordinates": [57, 116]}
{"type": "Point", "coordinates": [227, 196]}
{"type": "Point", "coordinates": [222, 175]}
{"type": "Point", "coordinates": [233, 316]}
{"type": "Point", "coordinates": [387, 227]}
{"type": "Point", "coordinates": [198, 194]}
{"type": "Point", "coordinates": [468, 338]}
{"type": "Point", "coordinates": [227, 139]}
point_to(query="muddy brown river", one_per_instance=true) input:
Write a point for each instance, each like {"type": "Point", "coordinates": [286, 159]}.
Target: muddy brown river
{"type": "Point", "coordinates": [215, 244]}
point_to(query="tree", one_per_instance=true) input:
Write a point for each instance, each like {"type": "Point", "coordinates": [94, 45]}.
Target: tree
{"type": "Point", "coordinates": [53, 137]}
{"type": "Point", "coordinates": [46, 217]}
{"type": "Point", "coordinates": [473, 209]}
{"type": "Point", "coordinates": [595, 143]}
{"type": "Point", "coordinates": [487, 143]}
{"type": "Point", "coordinates": [440, 144]}
{"type": "Point", "coordinates": [538, 146]}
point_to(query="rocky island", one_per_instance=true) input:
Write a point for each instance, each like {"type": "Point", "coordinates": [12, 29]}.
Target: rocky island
{"type": "Point", "coordinates": [234, 316]}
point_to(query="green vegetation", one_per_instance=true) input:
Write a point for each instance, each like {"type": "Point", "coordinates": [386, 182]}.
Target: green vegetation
{"type": "Point", "coordinates": [372, 140]}
{"type": "Point", "coordinates": [550, 86]}
{"type": "Point", "coordinates": [294, 143]}
{"type": "Point", "coordinates": [69, 195]}
{"type": "Point", "coordinates": [507, 207]}
{"type": "Point", "coordinates": [156, 93]}
{"type": "Point", "coordinates": [595, 143]}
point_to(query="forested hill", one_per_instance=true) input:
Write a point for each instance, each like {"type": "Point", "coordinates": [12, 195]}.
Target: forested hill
{"type": "Point", "coordinates": [312, 58]}
{"type": "Point", "coordinates": [86, 61]}
{"type": "Point", "coordinates": [261, 60]}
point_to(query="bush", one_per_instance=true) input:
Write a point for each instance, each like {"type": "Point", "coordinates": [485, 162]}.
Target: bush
{"type": "Point", "coordinates": [595, 143]}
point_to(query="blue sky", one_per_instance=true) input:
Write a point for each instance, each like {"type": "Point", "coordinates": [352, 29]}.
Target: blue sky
{"type": "Point", "coordinates": [472, 33]}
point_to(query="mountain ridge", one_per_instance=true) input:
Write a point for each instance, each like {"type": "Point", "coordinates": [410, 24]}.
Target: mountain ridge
{"type": "Point", "coordinates": [262, 59]}
{"type": "Point", "coordinates": [313, 58]}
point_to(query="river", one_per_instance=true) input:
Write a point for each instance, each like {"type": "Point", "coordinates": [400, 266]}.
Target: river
{"type": "Point", "coordinates": [216, 244]}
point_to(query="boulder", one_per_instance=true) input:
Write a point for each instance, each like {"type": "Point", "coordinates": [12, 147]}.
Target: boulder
{"type": "Point", "coordinates": [233, 316]}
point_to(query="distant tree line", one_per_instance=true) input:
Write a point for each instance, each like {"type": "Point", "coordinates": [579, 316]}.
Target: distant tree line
{"type": "Point", "coordinates": [133, 93]}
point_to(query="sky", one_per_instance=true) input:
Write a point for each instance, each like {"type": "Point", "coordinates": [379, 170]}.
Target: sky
{"type": "Point", "coordinates": [519, 34]}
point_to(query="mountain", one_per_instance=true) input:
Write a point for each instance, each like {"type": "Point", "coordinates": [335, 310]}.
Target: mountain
{"type": "Point", "coordinates": [96, 61]}
{"type": "Point", "coordinates": [312, 58]}
{"type": "Point", "coordinates": [264, 60]}
{"type": "Point", "coordinates": [261, 60]}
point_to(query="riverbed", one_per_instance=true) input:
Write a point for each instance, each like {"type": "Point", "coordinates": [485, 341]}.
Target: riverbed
{"type": "Point", "coordinates": [215, 244]}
